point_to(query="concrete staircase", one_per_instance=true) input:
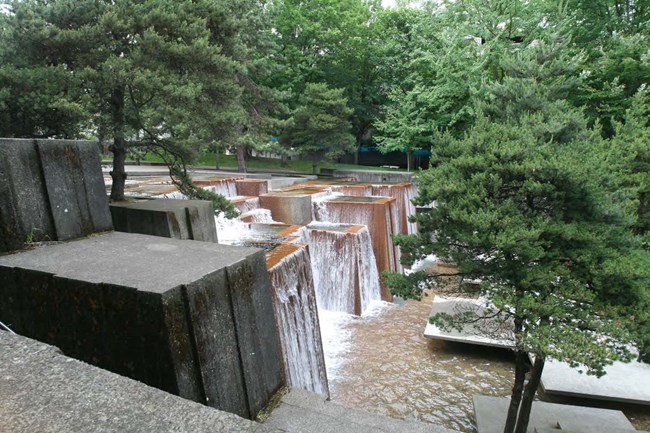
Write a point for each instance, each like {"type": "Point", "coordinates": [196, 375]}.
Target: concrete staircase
{"type": "Point", "coordinates": [305, 412]}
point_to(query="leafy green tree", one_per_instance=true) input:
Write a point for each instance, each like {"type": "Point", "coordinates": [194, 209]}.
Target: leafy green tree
{"type": "Point", "coordinates": [320, 127]}
{"type": "Point", "coordinates": [524, 202]}
{"type": "Point", "coordinates": [332, 42]}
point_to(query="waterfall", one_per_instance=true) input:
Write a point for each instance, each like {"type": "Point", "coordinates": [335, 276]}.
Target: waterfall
{"type": "Point", "coordinates": [353, 283]}
{"type": "Point", "coordinates": [379, 214]}
{"type": "Point", "coordinates": [226, 187]}
{"type": "Point", "coordinates": [403, 193]}
{"type": "Point", "coordinates": [245, 204]}
{"type": "Point", "coordinates": [297, 317]}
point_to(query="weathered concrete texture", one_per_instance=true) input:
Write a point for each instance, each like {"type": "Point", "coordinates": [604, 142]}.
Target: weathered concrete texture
{"type": "Point", "coordinates": [192, 318]}
{"type": "Point", "coordinates": [485, 332]}
{"type": "Point", "coordinates": [375, 176]}
{"type": "Point", "coordinates": [180, 219]}
{"type": "Point", "coordinates": [305, 412]}
{"type": "Point", "coordinates": [252, 187]}
{"type": "Point", "coordinates": [291, 207]}
{"type": "Point", "coordinates": [629, 383]}
{"type": "Point", "coordinates": [490, 415]}
{"type": "Point", "coordinates": [378, 214]}
{"type": "Point", "coordinates": [43, 391]}
{"type": "Point", "coordinates": [50, 190]}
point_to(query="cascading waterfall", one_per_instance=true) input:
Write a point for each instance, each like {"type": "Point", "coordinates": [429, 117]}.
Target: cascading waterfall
{"type": "Point", "coordinates": [403, 193]}
{"type": "Point", "coordinates": [354, 282]}
{"type": "Point", "coordinates": [225, 187]}
{"type": "Point", "coordinates": [297, 320]}
{"type": "Point", "coordinates": [357, 210]}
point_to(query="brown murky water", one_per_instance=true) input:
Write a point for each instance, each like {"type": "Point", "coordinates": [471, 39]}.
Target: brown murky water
{"type": "Point", "coordinates": [391, 369]}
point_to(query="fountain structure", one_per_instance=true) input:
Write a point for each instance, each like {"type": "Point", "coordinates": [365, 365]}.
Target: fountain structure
{"type": "Point", "coordinates": [378, 214]}
{"type": "Point", "coordinates": [352, 287]}
{"type": "Point", "coordinates": [292, 206]}
{"type": "Point", "coordinates": [294, 300]}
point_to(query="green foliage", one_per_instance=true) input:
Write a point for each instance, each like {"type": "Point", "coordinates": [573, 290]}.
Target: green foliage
{"type": "Point", "coordinates": [320, 127]}
{"type": "Point", "coordinates": [526, 202]}
{"type": "Point", "coordinates": [186, 186]}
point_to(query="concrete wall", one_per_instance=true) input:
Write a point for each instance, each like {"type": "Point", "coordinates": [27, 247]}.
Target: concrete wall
{"type": "Point", "coordinates": [50, 190]}
{"type": "Point", "coordinates": [192, 318]}
{"type": "Point", "coordinates": [376, 175]}
{"type": "Point", "coordinates": [180, 219]}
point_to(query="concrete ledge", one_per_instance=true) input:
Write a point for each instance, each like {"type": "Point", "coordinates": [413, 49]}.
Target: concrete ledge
{"type": "Point", "coordinates": [627, 383]}
{"type": "Point", "coordinates": [490, 415]}
{"type": "Point", "coordinates": [485, 332]}
{"type": "Point", "coordinates": [376, 175]}
{"type": "Point", "coordinates": [43, 391]}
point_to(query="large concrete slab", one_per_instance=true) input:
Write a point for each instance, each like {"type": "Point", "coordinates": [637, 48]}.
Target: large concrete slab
{"type": "Point", "coordinates": [180, 219]}
{"type": "Point", "coordinates": [50, 190]}
{"type": "Point", "coordinates": [301, 411]}
{"type": "Point", "coordinates": [171, 307]}
{"type": "Point", "coordinates": [490, 415]}
{"type": "Point", "coordinates": [485, 332]}
{"type": "Point", "coordinates": [624, 382]}
{"type": "Point", "coordinates": [41, 390]}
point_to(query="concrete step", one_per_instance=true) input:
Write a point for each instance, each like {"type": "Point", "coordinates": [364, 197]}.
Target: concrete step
{"type": "Point", "coordinates": [301, 411]}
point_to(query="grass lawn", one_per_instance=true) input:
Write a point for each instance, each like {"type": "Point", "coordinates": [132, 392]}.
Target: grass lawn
{"type": "Point", "coordinates": [229, 162]}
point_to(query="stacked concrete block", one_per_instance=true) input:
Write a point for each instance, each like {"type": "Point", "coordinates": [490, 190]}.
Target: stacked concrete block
{"type": "Point", "coordinates": [50, 190]}
{"type": "Point", "coordinates": [180, 219]}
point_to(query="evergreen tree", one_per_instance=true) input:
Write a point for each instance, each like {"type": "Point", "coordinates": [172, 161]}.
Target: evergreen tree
{"type": "Point", "coordinates": [524, 203]}
{"type": "Point", "coordinates": [320, 127]}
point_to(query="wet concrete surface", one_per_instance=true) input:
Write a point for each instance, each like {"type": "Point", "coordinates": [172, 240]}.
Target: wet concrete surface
{"type": "Point", "coordinates": [391, 369]}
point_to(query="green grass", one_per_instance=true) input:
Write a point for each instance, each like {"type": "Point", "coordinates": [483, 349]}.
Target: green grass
{"type": "Point", "coordinates": [229, 162]}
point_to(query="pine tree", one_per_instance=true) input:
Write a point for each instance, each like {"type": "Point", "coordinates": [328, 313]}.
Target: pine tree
{"type": "Point", "coordinates": [524, 203]}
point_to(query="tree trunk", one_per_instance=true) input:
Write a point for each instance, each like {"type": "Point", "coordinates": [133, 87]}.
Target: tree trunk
{"type": "Point", "coordinates": [118, 174]}
{"type": "Point", "coordinates": [356, 155]}
{"type": "Point", "coordinates": [241, 158]}
{"type": "Point", "coordinates": [314, 164]}
{"type": "Point", "coordinates": [529, 395]}
{"type": "Point", "coordinates": [217, 162]}
{"type": "Point", "coordinates": [517, 389]}
{"type": "Point", "coordinates": [409, 157]}
{"type": "Point", "coordinates": [283, 161]}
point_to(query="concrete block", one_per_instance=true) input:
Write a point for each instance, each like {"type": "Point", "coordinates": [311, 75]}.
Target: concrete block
{"type": "Point", "coordinates": [490, 415]}
{"type": "Point", "coordinates": [221, 371]}
{"type": "Point", "coordinates": [24, 203]}
{"type": "Point", "coordinates": [75, 187]}
{"type": "Point", "coordinates": [291, 206]}
{"type": "Point", "coordinates": [171, 304]}
{"type": "Point", "coordinates": [50, 190]}
{"type": "Point", "coordinates": [180, 219]}
{"type": "Point", "coordinates": [259, 346]}
{"type": "Point", "coordinates": [44, 391]}
{"type": "Point", "coordinates": [624, 382]}
{"type": "Point", "coordinates": [252, 187]}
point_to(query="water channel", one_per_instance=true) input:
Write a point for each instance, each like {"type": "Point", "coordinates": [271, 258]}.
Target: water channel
{"type": "Point", "coordinates": [381, 363]}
